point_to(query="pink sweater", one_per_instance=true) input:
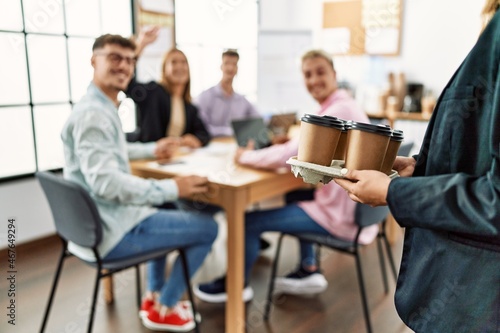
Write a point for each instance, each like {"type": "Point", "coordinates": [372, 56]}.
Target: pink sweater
{"type": "Point", "coordinates": [331, 208]}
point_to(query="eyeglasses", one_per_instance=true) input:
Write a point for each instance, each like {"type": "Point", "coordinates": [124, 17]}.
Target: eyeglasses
{"type": "Point", "coordinates": [116, 58]}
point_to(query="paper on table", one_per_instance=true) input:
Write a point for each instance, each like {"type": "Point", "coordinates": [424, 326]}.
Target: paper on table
{"type": "Point", "coordinates": [214, 161]}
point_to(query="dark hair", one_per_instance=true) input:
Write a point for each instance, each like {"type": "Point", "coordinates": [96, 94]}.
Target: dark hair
{"type": "Point", "coordinates": [103, 40]}
{"type": "Point", "coordinates": [231, 53]}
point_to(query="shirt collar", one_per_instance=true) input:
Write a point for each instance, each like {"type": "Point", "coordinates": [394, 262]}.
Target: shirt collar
{"type": "Point", "coordinates": [99, 94]}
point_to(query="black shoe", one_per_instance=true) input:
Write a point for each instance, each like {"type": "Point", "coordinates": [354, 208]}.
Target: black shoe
{"type": "Point", "coordinates": [215, 291]}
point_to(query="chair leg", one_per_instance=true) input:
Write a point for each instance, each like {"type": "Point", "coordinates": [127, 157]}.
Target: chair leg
{"type": "Point", "coordinates": [318, 256]}
{"type": "Point", "coordinates": [389, 254]}
{"type": "Point", "coordinates": [53, 290]}
{"type": "Point", "coordinates": [94, 299]}
{"type": "Point", "coordinates": [138, 285]}
{"type": "Point", "coordinates": [182, 254]}
{"type": "Point", "coordinates": [273, 276]}
{"type": "Point", "coordinates": [363, 294]}
{"type": "Point", "coordinates": [382, 263]}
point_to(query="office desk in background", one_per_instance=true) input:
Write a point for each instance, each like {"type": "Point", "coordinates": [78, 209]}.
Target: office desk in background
{"type": "Point", "coordinates": [232, 187]}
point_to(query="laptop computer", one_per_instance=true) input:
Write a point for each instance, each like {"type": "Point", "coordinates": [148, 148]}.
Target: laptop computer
{"type": "Point", "coordinates": [280, 123]}
{"type": "Point", "coordinates": [251, 128]}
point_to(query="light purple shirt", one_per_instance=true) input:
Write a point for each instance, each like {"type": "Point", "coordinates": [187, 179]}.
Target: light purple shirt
{"type": "Point", "coordinates": [217, 110]}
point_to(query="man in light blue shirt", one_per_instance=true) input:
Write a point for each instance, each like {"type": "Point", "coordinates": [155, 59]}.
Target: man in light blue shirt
{"type": "Point", "coordinates": [219, 105]}
{"type": "Point", "coordinates": [97, 157]}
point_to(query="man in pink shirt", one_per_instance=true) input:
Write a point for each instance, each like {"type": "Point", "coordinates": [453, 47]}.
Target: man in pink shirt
{"type": "Point", "coordinates": [328, 211]}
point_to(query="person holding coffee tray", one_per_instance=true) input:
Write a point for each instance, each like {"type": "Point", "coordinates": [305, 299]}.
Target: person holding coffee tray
{"type": "Point", "coordinates": [329, 211]}
{"type": "Point", "coordinates": [448, 199]}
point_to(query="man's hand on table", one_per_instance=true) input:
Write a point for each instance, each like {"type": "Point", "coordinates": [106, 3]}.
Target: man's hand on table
{"type": "Point", "coordinates": [189, 185]}
{"type": "Point", "coordinates": [250, 146]}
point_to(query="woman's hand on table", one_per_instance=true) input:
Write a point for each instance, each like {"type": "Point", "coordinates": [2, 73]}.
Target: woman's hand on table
{"type": "Point", "coordinates": [250, 146]}
{"type": "Point", "coordinates": [166, 147]}
{"type": "Point", "coordinates": [191, 141]}
{"type": "Point", "coordinates": [366, 186]}
{"type": "Point", "coordinates": [189, 185]}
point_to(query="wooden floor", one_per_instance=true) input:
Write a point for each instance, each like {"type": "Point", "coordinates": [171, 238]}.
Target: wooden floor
{"type": "Point", "coordinates": [338, 309]}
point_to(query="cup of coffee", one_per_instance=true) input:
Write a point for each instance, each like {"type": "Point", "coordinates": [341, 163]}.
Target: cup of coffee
{"type": "Point", "coordinates": [366, 145]}
{"type": "Point", "coordinates": [392, 151]}
{"type": "Point", "coordinates": [318, 139]}
{"type": "Point", "coordinates": [342, 145]}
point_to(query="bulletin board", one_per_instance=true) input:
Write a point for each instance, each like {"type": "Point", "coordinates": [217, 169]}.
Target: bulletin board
{"type": "Point", "coordinates": [357, 27]}
{"type": "Point", "coordinates": [154, 13]}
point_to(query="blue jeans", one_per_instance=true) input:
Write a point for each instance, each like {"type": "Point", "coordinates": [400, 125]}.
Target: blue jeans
{"type": "Point", "coordinates": [290, 218]}
{"type": "Point", "coordinates": [194, 231]}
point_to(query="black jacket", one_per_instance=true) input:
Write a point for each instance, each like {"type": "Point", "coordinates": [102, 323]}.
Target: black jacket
{"type": "Point", "coordinates": [450, 272]}
{"type": "Point", "coordinates": [153, 114]}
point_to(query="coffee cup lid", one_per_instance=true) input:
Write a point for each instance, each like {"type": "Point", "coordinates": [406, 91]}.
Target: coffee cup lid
{"type": "Point", "coordinates": [372, 128]}
{"type": "Point", "coordinates": [327, 121]}
{"type": "Point", "coordinates": [397, 135]}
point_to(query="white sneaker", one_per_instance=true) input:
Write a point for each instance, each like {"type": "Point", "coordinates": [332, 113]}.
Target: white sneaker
{"type": "Point", "coordinates": [301, 283]}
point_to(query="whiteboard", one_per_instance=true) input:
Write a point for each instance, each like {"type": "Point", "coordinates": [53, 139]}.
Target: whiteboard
{"type": "Point", "coordinates": [280, 85]}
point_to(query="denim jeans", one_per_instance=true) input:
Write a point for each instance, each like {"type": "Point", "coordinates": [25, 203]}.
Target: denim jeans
{"type": "Point", "coordinates": [194, 231]}
{"type": "Point", "coordinates": [290, 218]}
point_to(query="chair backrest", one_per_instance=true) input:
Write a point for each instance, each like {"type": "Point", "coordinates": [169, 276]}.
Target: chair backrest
{"type": "Point", "coordinates": [365, 215]}
{"type": "Point", "coordinates": [75, 213]}
{"type": "Point", "coordinates": [405, 148]}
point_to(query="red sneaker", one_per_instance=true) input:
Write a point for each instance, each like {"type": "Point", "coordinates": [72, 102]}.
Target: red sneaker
{"type": "Point", "coordinates": [175, 321]}
{"type": "Point", "coordinates": [145, 306]}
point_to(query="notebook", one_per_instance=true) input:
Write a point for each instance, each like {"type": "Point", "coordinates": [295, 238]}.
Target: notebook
{"type": "Point", "coordinates": [252, 128]}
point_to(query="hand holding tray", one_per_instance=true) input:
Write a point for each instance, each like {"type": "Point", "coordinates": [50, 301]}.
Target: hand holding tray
{"type": "Point", "coordinates": [315, 173]}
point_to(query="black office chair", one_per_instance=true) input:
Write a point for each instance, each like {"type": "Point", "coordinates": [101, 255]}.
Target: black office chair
{"type": "Point", "coordinates": [364, 217]}
{"type": "Point", "coordinates": [77, 220]}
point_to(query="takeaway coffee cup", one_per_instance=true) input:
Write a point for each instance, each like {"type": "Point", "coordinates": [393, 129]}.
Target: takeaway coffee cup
{"type": "Point", "coordinates": [318, 139]}
{"type": "Point", "coordinates": [392, 151]}
{"type": "Point", "coordinates": [342, 145]}
{"type": "Point", "coordinates": [366, 145]}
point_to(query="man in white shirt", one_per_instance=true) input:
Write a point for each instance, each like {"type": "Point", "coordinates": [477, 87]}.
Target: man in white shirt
{"type": "Point", "coordinates": [97, 157]}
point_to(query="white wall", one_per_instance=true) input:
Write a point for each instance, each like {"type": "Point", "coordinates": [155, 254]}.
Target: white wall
{"type": "Point", "coordinates": [437, 35]}
{"type": "Point", "coordinates": [24, 201]}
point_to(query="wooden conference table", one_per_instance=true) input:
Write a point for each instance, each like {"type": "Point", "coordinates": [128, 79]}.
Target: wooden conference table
{"type": "Point", "coordinates": [232, 187]}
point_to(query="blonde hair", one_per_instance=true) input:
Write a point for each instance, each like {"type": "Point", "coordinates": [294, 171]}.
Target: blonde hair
{"type": "Point", "coordinates": [165, 82]}
{"type": "Point", "coordinates": [489, 9]}
{"type": "Point", "coordinates": [318, 54]}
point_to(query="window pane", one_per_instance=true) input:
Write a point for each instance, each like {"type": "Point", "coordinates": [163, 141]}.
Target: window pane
{"type": "Point", "coordinates": [80, 52]}
{"type": "Point", "coordinates": [116, 17]}
{"type": "Point", "coordinates": [10, 15]}
{"type": "Point", "coordinates": [44, 16]}
{"type": "Point", "coordinates": [49, 120]}
{"type": "Point", "coordinates": [83, 17]}
{"type": "Point", "coordinates": [13, 66]}
{"type": "Point", "coordinates": [16, 135]}
{"type": "Point", "coordinates": [48, 69]}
